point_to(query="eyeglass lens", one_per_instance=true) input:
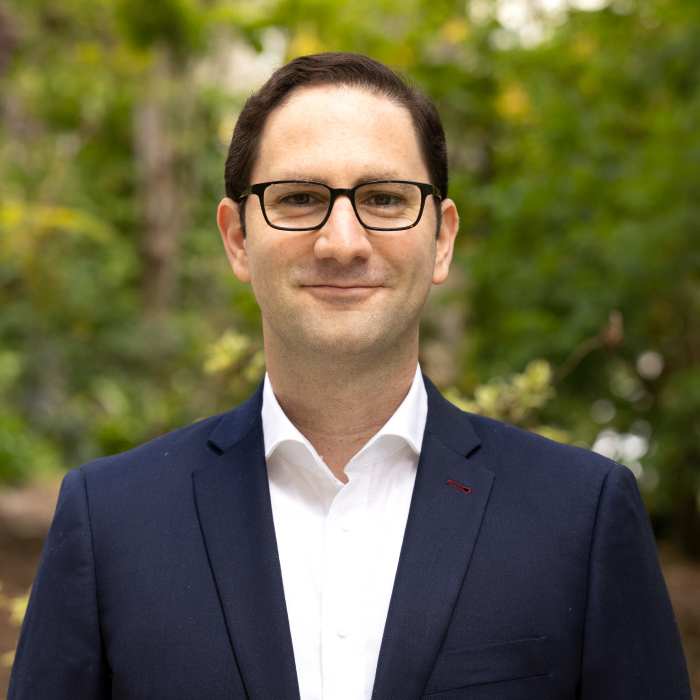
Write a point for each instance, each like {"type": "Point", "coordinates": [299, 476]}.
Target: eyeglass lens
{"type": "Point", "coordinates": [387, 205]}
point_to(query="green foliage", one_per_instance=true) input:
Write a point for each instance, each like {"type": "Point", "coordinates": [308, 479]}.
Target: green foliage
{"type": "Point", "coordinates": [575, 168]}
{"type": "Point", "coordinates": [516, 400]}
{"type": "Point", "coordinates": [94, 375]}
{"type": "Point", "coordinates": [593, 207]}
{"type": "Point", "coordinates": [23, 451]}
{"type": "Point", "coordinates": [175, 23]}
{"type": "Point", "coordinates": [17, 608]}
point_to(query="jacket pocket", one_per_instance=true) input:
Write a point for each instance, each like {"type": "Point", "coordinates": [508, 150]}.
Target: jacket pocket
{"type": "Point", "coordinates": [523, 658]}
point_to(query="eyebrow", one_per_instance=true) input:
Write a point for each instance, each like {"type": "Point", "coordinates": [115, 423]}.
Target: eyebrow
{"type": "Point", "coordinates": [386, 175]}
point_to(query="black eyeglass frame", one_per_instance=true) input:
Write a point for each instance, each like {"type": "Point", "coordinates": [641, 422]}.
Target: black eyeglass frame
{"type": "Point", "coordinates": [260, 187]}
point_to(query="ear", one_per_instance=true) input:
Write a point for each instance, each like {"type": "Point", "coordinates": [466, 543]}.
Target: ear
{"type": "Point", "coordinates": [445, 241]}
{"type": "Point", "coordinates": [229, 220]}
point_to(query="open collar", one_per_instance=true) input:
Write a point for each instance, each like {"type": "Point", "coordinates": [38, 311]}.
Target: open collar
{"type": "Point", "coordinates": [407, 423]}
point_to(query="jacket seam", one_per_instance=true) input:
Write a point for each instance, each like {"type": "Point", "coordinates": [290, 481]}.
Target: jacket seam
{"type": "Point", "coordinates": [94, 565]}
{"type": "Point", "coordinates": [588, 572]}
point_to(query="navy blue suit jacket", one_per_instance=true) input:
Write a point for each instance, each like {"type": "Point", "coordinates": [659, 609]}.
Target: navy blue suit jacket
{"type": "Point", "coordinates": [160, 578]}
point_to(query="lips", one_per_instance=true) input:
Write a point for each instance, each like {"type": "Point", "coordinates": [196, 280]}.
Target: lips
{"type": "Point", "coordinates": [344, 286]}
{"type": "Point", "coordinates": [341, 288]}
{"type": "Point", "coordinates": [344, 291]}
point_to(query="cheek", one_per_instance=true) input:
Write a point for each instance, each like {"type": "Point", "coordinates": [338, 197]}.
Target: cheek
{"type": "Point", "coordinates": [271, 262]}
{"type": "Point", "coordinates": [262, 266]}
{"type": "Point", "coordinates": [412, 259]}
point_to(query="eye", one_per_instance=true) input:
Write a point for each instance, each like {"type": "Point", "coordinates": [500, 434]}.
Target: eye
{"type": "Point", "coordinates": [298, 199]}
{"type": "Point", "coordinates": [383, 200]}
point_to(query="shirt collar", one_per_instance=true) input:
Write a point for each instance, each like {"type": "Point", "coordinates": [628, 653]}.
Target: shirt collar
{"type": "Point", "coordinates": [407, 423]}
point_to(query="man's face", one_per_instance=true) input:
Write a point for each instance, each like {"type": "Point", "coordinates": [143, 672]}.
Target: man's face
{"type": "Point", "coordinates": [341, 290]}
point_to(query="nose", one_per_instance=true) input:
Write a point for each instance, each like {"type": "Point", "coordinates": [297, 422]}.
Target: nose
{"type": "Point", "coordinates": [342, 237]}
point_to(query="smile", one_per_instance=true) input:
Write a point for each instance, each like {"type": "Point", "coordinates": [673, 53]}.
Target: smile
{"type": "Point", "coordinates": [341, 291]}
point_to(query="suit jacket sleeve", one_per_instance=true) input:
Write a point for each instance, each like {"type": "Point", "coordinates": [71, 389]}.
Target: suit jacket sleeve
{"type": "Point", "coordinates": [632, 649]}
{"type": "Point", "coordinates": [60, 653]}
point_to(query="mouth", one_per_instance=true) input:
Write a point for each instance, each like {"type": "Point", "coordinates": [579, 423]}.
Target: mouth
{"type": "Point", "coordinates": [343, 290]}
{"type": "Point", "coordinates": [334, 285]}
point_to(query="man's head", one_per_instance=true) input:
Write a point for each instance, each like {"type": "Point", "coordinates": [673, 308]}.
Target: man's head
{"type": "Point", "coordinates": [333, 69]}
{"type": "Point", "coordinates": [340, 290]}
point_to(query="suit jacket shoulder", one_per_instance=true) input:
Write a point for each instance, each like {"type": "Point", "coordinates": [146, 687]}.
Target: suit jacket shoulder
{"type": "Point", "coordinates": [165, 464]}
{"type": "Point", "coordinates": [515, 446]}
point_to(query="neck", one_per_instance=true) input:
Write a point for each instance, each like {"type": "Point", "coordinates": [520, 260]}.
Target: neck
{"type": "Point", "coordinates": [338, 404]}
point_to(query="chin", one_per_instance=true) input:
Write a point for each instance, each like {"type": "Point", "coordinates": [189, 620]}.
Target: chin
{"type": "Point", "coordinates": [347, 340]}
{"type": "Point", "coordinates": [345, 345]}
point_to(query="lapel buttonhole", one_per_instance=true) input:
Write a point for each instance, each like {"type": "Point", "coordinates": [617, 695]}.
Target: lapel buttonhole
{"type": "Point", "coordinates": [466, 489]}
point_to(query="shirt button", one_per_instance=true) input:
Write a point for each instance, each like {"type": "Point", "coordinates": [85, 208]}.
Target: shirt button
{"type": "Point", "coordinates": [343, 632]}
{"type": "Point", "coordinates": [345, 527]}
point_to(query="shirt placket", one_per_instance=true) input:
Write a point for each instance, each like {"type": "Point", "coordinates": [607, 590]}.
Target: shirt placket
{"type": "Point", "coordinates": [344, 584]}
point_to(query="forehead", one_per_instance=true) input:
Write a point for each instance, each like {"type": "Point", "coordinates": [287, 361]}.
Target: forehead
{"type": "Point", "coordinates": [340, 136]}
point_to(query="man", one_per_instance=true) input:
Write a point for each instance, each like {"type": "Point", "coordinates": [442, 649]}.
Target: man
{"type": "Point", "coordinates": [347, 533]}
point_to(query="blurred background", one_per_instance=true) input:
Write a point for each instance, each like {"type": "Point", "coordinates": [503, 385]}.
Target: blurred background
{"type": "Point", "coordinates": [573, 307]}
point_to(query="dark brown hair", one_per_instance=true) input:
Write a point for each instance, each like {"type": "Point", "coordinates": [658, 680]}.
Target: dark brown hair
{"type": "Point", "coordinates": [348, 69]}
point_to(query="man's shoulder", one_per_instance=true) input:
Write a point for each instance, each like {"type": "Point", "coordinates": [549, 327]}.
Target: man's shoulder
{"type": "Point", "coordinates": [527, 453]}
{"type": "Point", "coordinates": [175, 453]}
{"type": "Point", "coordinates": [187, 438]}
{"type": "Point", "coordinates": [514, 455]}
{"type": "Point", "coordinates": [545, 483]}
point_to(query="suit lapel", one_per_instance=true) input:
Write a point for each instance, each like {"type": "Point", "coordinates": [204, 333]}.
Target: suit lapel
{"type": "Point", "coordinates": [441, 531]}
{"type": "Point", "coordinates": [233, 504]}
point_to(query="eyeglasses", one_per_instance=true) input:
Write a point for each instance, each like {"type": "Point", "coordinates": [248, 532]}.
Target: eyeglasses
{"type": "Point", "coordinates": [303, 205]}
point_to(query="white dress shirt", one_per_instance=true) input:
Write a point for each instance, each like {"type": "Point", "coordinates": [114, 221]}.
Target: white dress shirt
{"type": "Point", "coordinates": [339, 544]}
